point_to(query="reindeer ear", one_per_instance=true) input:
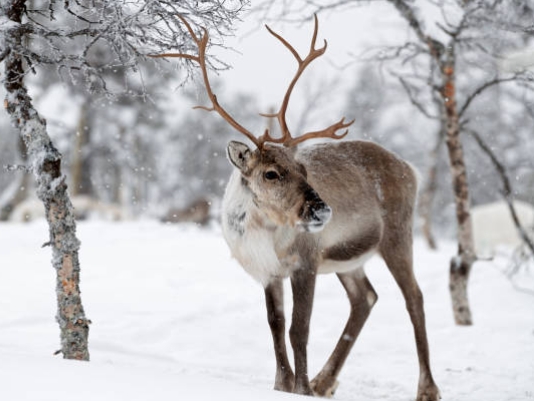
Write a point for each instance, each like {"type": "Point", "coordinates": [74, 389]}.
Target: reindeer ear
{"type": "Point", "coordinates": [239, 154]}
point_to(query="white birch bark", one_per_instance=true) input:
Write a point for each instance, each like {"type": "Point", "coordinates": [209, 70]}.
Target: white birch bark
{"type": "Point", "coordinates": [460, 266]}
{"type": "Point", "coordinates": [45, 163]}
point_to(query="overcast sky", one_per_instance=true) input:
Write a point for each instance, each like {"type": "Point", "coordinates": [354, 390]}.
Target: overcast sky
{"type": "Point", "coordinates": [263, 66]}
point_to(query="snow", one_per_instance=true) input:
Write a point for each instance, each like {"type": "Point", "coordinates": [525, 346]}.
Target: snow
{"type": "Point", "coordinates": [174, 317]}
{"type": "Point", "coordinates": [6, 24]}
{"type": "Point", "coordinates": [497, 214]}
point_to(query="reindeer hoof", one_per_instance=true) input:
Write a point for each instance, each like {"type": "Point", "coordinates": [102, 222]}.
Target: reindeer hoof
{"type": "Point", "coordinates": [303, 391]}
{"type": "Point", "coordinates": [284, 381]}
{"type": "Point", "coordinates": [429, 394]}
{"type": "Point", "coordinates": [323, 389]}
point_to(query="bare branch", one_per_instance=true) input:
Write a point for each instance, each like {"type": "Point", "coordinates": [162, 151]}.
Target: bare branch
{"type": "Point", "coordinates": [120, 33]}
{"type": "Point", "coordinates": [406, 52]}
{"type": "Point", "coordinates": [507, 191]}
{"type": "Point", "coordinates": [16, 167]}
{"type": "Point", "coordinates": [200, 58]}
{"type": "Point", "coordinates": [409, 15]}
{"type": "Point", "coordinates": [414, 101]}
{"type": "Point", "coordinates": [485, 86]}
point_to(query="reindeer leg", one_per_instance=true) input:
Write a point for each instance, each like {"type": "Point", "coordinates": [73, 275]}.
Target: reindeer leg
{"type": "Point", "coordinates": [303, 286]}
{"type": "Point", "coordinates": [362, 297]}
{"type": "Point", "coordinates": [397, 254]}
{"type": "Point", "coordinates": [274, 299]}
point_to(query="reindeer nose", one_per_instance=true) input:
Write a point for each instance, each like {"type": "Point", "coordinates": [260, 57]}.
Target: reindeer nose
{"type": "Point", "coordinates": [315, 213]}
{"type": "Point", "coordinates": [322, 214]}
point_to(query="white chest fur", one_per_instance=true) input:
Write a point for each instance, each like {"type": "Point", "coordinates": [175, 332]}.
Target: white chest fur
{"type": "Point", "coordinates": [255, 245]}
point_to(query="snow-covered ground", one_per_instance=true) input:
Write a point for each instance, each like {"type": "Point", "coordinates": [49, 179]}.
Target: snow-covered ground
{"type": "Point", "coordinates": [175, 318]}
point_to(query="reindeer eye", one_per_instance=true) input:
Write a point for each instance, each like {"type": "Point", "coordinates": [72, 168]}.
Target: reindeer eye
{"type": "Point", "coordinates": [271, 175]}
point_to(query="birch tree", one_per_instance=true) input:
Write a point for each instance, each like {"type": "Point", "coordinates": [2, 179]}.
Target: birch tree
{"type": "Point", "coordinates": [461, 35]}
{"type": "Point", "coordinates": [65, 36]}
{"type": "Point", "coordinates": [468, 42]}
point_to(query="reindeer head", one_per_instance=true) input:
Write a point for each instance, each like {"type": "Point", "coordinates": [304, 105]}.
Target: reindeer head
{"type": "Point", "coordinates": [277, 181]}
{"type": "Point", "coordinates": [279, 186]}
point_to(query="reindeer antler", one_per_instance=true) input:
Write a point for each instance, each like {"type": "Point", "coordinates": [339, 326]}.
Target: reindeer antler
{"type": "Point", "coordinates": [202, 44]}
{"type": "Point", "coordinates": [286, 139]}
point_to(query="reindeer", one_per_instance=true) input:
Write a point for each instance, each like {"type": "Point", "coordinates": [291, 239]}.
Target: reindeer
{"type": "Point", "coordinates": [327, 208]}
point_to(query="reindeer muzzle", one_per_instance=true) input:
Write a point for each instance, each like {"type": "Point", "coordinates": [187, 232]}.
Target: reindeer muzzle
{"type": "Point", "coordinates": [315, 213]}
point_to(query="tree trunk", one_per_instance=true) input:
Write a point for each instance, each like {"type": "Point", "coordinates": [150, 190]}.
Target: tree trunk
{"type": "Point", "coordinates": [445, 59]}
{"type": "Point", "coordinates": [45, 163]}
{"type": "Point", "coordinates": [460, 265]}
{"type": "Point", "coordinates": [428, 194]}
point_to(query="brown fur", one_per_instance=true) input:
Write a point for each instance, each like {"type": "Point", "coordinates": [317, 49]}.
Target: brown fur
{"type": "Point", "coordinates": [353, 248]}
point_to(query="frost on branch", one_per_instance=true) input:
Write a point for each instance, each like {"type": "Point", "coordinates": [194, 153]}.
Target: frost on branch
{"type": "Point", "coordinates": [92, 43]}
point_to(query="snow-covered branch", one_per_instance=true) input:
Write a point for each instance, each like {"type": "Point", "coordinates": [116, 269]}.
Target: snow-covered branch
{"type": "Point", "coordinates": [16, 167]}
{"type": "Point", "coordinates": [88, 40]}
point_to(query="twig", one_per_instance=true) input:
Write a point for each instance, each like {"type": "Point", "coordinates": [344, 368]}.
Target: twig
{"type": "Point", "coordinates": [507, 190]}
{"type": "Point", "coordinates": [16, 167]}
{"type": "Point", "coordinates": [414, 101]}
{"type": "Point", "coordinates": [482, 88]}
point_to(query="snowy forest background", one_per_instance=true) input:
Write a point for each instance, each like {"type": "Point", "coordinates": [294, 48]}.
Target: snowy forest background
{"type": "Point", "coordinates": [134, 153]}
{"type": "Point", "coordinates": [139, 146]}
